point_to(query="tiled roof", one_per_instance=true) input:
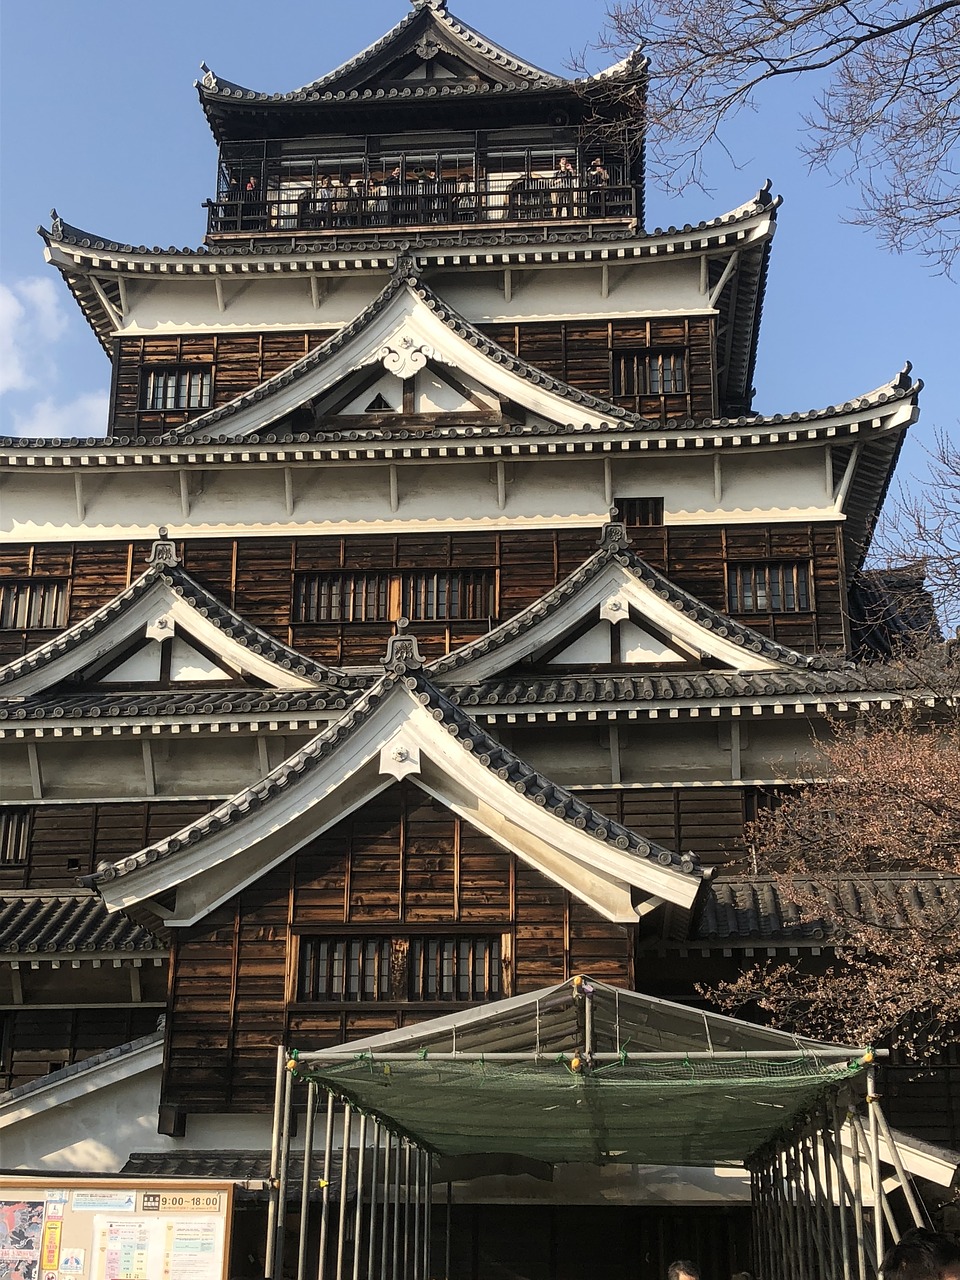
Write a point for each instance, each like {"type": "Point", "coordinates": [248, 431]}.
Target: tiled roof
{"type": "Point", "coordinates": [740, 303]}
{"type": "Point", "coordinates": [696, 686]}
{"type": "Point", "coordinates": [757, 909]}
{"type": "Point", "coordinates": [79, 1068]}
{"type": "Point", "coordinates": [522, 778]}
{"type": "Point", "coordinates": [400, 240]}
{"type": "Point", "coordinates": [407, 275]}
{"type": "Point", "coordinates": [615, 547]}
{"type": "Point", "coordinates": [165, 568]}
{"type": "Point", "coordinates": [426, 16]}
{"type": "Point", "coordinates": [108, 705]}
{"type": "Point", "coordinates": [48, 923]}
{"type": "Point", "coordinates": [238, 1166]}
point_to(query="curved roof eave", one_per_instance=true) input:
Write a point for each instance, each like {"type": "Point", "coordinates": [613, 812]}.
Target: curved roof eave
{"type": "Point", "coordinates": [90, 264]}
{"type": "Point", "coordinates": [426, 14]}
{"type": "Point", "coordinates": [402, 694]}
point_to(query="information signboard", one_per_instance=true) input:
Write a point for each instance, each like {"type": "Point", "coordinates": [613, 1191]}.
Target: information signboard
{"type": "Point", "coordinates": [113, 1229]}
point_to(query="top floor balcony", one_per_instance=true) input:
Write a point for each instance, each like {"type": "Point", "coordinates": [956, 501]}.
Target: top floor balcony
{"type": "Point", "coordinates": [366, 187]}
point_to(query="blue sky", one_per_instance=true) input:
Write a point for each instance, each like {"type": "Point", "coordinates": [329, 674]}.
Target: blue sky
{"type": "Point", "coordinates": [99, 119]}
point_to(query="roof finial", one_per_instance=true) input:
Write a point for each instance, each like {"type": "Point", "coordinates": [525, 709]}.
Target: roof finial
{"type": "Point", "coordinates": [403, 652]}
{"type": "Point", "coordinates": [614, 536]}
{"type": "Point", "coordinates": [164, 549]}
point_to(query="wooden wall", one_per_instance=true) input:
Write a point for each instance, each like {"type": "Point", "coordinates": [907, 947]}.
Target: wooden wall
{"type": "Point", "coordinates": [578, 352]}
{"type": "Point", "coordinates": [582, 353]}
{"type": "Point", "coordinates": [36, 1041]}
{"type": "Point", "coordinates": [237, 363]}
{"type": "Point", "coordinates": [402, 866]}
{"type": "Point", "coordinates": [707, 821]}
{"type": "Point", "coordinates": [255, 576]}
{"type": "Point", "coordinates": [68, 840]}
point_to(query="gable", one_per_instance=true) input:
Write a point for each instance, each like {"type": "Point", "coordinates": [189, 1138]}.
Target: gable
{"type": "Point", "coordinates": [445, 364]}
{"type": "Point", "coordinates": [401, 729]}
{"type": "Point", "coordinates": [165, 629]}
{"type": "Point", "coordinates": [430, 59]}
{"type": "Point", "coordinates": [404, 381]}
{"type": "Point", "coordinates": [615, 612]}
{"type": "Point", "coordinates": [159, 663]}
{"type": "Point", "coordinates": [623, 643]}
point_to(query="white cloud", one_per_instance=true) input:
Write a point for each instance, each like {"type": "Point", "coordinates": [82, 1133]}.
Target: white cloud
{"type": "Point", "coordinates": [47, 419]}
{"type": "Point", "coordinates": [32, 320]}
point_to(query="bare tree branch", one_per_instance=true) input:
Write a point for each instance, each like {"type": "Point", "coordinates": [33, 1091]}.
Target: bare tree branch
{"type": "Point", "coordinates": [887, 118]}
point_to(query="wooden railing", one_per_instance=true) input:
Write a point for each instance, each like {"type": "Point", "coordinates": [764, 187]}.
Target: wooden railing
{"type": "Point", "coordinates": [342, 208]}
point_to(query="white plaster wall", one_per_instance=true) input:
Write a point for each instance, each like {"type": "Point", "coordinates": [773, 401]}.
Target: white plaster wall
{"type": "Point", "coordinates": [345, 496]}
{"type": "Point", "coordinates": [672, 754]}
{"type": "Point", "coordinates": [97, 1131]}
{"type": "Point", "coordinates": [780, 749]}
{"type": "Point", "coordinates": [254, 301]}
{"type": "Point", "coordinates": [98, 768]}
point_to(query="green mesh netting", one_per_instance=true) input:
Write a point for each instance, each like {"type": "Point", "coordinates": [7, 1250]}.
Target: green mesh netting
{"type": "Point", "coordinates": [677, 1113]}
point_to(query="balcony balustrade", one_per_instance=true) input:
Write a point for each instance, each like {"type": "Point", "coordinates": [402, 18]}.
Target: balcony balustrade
{"type": "Point", "coordinates": [292, 207]}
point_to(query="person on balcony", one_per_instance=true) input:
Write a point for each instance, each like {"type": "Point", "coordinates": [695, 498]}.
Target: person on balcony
{"type": "Point", "coordinates": [323, 201]}
{"type": "Point", "coordinates": [598, 179]}
{"type": "Point", "coordinates": [252, 211]}
{"type": "Point", "coordinates": [561, 188]}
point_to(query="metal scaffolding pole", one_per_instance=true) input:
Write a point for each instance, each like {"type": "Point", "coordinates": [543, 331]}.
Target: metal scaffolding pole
{"type": "Point", "coordinates": [305, 1180]}
{"type": "Point", "coordinates": [920, 1219]}
{"type": "Point", "coordinates": [417, 1211]}
{"type": "Point", "coordinates": [395, 1272]}
{"type": "Point", "coordinates": [325, 1190]}
{"type": "Point", "coordinates": [858, 1204]}
{"type": "Point", "coordinates": [344, 1187]}
{"type": "Point", "coordinates": [428, 1215]}
{"type": "Point", "coordinates": [407, 1150]}
{"type": "Point", "coordinates": [448, 1233]}
{"type": "Point", "coordinates": [358, 1218]}
{"type": "Point", "coordinates": [836, 1143]}
{"type": "Point", "coordinates": [385, 1233]}
{"type": "Point", "coordinates": [867, 1145]}
{"type": "Point", "coordinates": [878, 1195]}
{"type": "Point", "coordinates": [273, 1205]}
{"type": "Point", "coordinates": [824, 1122]}
{"type": "Point", "coordinates": [374, 1189]}
{"type": "Point", "coordinates": [284, 1171]}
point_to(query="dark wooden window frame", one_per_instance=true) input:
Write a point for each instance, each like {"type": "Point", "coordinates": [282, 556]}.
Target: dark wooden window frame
{"type": "Point", "coordinates": [643, 513]}
{"type": "Point", "coordinates": [15, 836]}
{"type": "Point", "coordinates": [638, 372]}
{"type": "Point", "coordinates": [176, 388]}
{"type": "Point", "coordinates": [28, 604]}
{"type": "Point", "coordinates": [770, 586]}
{"type": "Point", "coordinates": [436, 966]}
{"type": "Point", "coordinates": [384, 595]}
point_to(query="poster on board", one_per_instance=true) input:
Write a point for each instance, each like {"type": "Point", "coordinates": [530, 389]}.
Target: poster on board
{"type": "Point", "coordinates": [81, 1229]}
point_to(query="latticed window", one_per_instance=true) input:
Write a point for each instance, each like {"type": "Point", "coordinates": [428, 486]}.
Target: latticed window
{"type": "Point", "coordinates": [37, 602]}
{"type": "Point", "coordinates": [642, 512]}
{"type": "Point", "coordinates": [441, 595]}
{"type": "Point", "coordinates": [458, 969]}
{"type": "Point", "coordinates": [763, 587]}
{"type": "Point", "coordinates": [342, 597]}
{"type": "Point", "coordinates": [454, 969]}
{"type": "Point", "coordinates": [176, 387]}
{"type": "Point", "coordinates": [344, 969]}
{"type": "Point", "coordinates": [435, 595]}
{"type": "Point", "coordinates": [14, 836]}
{"type": "Point", "coordinates": [649, 373]}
